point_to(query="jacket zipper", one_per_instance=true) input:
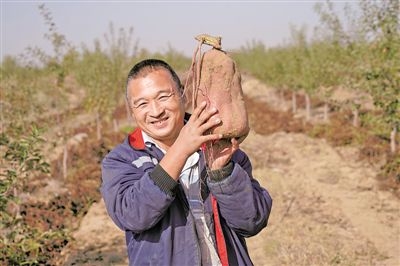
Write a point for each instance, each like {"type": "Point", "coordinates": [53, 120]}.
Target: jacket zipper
{"type": "Point", "coordinates": [183, 198]}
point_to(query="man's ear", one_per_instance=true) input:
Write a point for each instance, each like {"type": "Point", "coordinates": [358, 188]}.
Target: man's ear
{"type": "Point", "coordinates": [186, 100]}
{"type": "Point", "coordinates": [129, 113]}
{"type": "Point", "coordinates": [183, 98]}
{"type": "Point", "coordinates": [186, 103]}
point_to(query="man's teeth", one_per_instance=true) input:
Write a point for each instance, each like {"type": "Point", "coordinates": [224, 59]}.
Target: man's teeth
{"type": "Point", "coordinates": [159, 121]}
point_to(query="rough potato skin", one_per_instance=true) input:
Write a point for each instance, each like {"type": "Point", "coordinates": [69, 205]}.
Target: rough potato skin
{"type": "Point", "coordinates": [220, 85]}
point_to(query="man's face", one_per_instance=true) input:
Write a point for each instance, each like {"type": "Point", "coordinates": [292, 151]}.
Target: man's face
{"type": "Point", "coordinates": [157, 107]}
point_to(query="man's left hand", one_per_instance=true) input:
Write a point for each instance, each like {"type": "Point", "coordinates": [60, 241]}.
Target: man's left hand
{"type": "Point", "coordinates": [219, 157]}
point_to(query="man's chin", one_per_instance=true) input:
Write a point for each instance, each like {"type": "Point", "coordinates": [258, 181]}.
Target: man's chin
{"type": "Point", "coordinates": [160, 134]}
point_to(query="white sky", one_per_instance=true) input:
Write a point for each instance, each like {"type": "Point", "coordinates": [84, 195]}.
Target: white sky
{"type": "Point", "coordinates": [157, 24]}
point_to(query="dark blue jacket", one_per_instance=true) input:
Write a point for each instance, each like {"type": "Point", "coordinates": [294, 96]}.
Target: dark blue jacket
{"type": "Point", "coordinates": [151, 207]}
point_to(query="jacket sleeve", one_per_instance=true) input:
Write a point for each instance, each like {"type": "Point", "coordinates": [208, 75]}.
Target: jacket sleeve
{"type": "Point", "coordinates": [242, 202]}
{"type": "Point", "coordinates": [134, 200]}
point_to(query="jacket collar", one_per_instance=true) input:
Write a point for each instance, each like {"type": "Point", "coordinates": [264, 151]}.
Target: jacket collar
{"type": "Point", "coordinates": [136, 139]}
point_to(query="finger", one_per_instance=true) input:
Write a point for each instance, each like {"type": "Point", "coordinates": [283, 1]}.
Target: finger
{"type": "Point", "coordinates": [206, 114]}
{"type": "Point", "coordinates": [205, 122]}
{"type": "Point", "coordinates": [211, 137]}
{"type": "Point", "coordinates": [235, 144]}
{"type": "Point", "coordinates": [198, 110]}
{"type": "Point", "coordinates": [210, 124]}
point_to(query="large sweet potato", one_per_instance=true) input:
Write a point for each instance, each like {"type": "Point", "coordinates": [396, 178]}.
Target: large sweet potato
{"type": "Point", "coordinates": [216, 79]}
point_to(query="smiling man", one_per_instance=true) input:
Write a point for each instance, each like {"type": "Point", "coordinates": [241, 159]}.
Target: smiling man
{"type": "Point", "coordinates": [174, 208]}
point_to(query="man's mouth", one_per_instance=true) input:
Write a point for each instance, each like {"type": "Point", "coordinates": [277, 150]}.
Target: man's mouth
{"type": "Point", "coordinates": [159, 121]}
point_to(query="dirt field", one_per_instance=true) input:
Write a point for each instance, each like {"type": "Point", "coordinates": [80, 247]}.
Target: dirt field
{"type": "Point", "coordinates": [328, 207]}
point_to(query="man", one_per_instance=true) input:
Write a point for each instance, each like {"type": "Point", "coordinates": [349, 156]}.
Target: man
{"type": "Point", "coordinates": [174, 209]}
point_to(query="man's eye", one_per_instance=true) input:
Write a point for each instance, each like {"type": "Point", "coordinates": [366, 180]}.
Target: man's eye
{"type": "Point", "coordinates": [164, 97]}
{"type": "Point", "coordinates": [141, 105]}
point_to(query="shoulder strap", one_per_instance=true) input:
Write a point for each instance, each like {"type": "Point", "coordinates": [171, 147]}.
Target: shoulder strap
{"type": "Point", "coordinates": [219, 234]}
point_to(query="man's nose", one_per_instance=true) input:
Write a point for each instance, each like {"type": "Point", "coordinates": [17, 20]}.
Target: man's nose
{"type": "Point", "coordinates": [156, 108]}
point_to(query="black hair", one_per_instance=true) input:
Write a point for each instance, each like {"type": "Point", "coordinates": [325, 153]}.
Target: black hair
{"type": "Point", "coordinates": [147, 66]}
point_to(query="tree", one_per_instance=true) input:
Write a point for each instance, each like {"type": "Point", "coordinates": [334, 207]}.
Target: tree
{"type": "Point", "coordinates": [381, 28]}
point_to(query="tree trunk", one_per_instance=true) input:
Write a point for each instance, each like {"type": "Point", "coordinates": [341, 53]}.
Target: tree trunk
{"type": "Point", "coordinates": [115, 124]}
{"type": "Point", "coordinates": [282, 98]}
{"type": "Point", "coordinates": [308, 107]}
{"type": "Point", "coordinates": [16, 209]}
{"type": "Point", "coordinates": [98, 126]}
{"type": "Point", "coordinates": [294, 103]}
{"type": "Point", "coordinates": [326, 112]}
{"type": "Point", "coordinates": [356, 118]}
{"type": "Point", "coordinates": [64, 162]}
{"type": "Point", "coordinates": [393, 140]}
{"type": "Point", "coordinates": [128, 113]}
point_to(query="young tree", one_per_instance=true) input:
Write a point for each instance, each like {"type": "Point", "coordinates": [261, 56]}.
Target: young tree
{"type": "Point", "coordinates": [381, 28]}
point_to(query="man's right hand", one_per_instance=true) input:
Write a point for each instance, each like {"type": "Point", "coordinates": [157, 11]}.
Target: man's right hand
{"type": "Point", "coordinates": [190, 139]}
{"type": "Point", "coordinates": [192, 135]}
